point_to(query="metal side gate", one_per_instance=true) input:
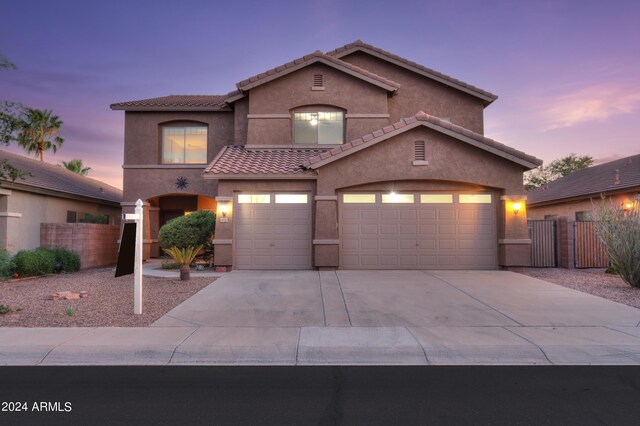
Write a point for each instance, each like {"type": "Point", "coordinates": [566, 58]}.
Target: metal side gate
{"type": "Point", "coordinates": [589, 250]}
{"type": "Point", "coordinates": [543, 243]}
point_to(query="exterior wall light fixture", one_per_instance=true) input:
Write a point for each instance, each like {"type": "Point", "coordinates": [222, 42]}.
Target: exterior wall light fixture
{"type": "Point", "coordinates": [224, 208]}
{"type": "Point", "coordinates": [517, 207]}
{"type": "Point", "coordinates": [628, 205]}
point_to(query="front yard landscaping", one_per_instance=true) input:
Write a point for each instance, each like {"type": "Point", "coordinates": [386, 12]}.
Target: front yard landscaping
{"type": "Point", "coordinates": [592, 281]}
{"type": "Point", "coordinates": [109, 302]}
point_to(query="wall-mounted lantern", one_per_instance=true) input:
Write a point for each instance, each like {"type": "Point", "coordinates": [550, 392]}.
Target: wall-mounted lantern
{"type": "Point", "coordinates": [516, 207]}
{"type": "Point", "coordinates": [628, 205]}
{"type": "Point", "coordinates": [223, 208]}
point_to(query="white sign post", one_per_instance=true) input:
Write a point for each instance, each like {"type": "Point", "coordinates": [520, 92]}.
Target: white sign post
{"type": "Point", "coordinates": [138, 217]}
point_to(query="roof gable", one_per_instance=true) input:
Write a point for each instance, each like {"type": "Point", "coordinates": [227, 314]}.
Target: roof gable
{"type": "Point", "coordinates": [359, 45]}
{"type": "Point", "coordinates": [618, 175]}
{"type": "Point", "coordinates": [424, 119]}
{"type": "Point", "coordinates": [316, 57]}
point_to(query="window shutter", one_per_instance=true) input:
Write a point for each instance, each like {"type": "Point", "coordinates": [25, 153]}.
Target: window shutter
{"type": "Point", "coordinates": [419, 154]}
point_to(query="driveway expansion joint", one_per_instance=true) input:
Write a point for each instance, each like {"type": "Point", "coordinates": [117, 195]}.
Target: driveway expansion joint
{"type": "Point", "coordinates": [178, 345]}
{"type": "Point", "coordinates": [532, 342]}
{"type": "Point", "coordinates": [63, 342]}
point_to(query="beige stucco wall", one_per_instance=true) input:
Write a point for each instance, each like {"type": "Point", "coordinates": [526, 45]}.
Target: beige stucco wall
{"type": "Point", "coordinates": [569, 208]}
{"type": "Point", "coordinates": [419, 93]}
{"type": "Point", "coordinates": [23, 233]}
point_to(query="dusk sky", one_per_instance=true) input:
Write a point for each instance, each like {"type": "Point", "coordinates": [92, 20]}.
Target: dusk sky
{"type": "Point", "coordinates": [567, 73]}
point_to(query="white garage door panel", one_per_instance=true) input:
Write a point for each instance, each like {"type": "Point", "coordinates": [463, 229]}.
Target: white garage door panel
{"type": "Point", "coordinates": [272, 236]}
{"type": "Point", "coordinates": [413, 236]}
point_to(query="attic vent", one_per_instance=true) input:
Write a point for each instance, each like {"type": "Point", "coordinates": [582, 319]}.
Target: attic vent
{"type": "Point", "coordinates": [318, 80]}
{"type": "Point", "coordinates": [419, 151]}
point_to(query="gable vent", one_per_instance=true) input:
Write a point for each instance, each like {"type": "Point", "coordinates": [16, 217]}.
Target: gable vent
{"type": "Point", "coordinates": [318, 80]}
{"type": "Point", "coordinates": [419, 151]}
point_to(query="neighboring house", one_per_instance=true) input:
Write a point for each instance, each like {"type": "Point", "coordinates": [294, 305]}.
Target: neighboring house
{"type": "Point", "coordinates": [50, 194]}
{"type": "Point", "coordinates": [356, 158]}
{"type": "Point", "coordinates": [578, 194]}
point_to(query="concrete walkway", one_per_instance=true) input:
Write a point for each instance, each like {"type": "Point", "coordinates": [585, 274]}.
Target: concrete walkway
{"type": "Point", "coordinates": [352, 318]}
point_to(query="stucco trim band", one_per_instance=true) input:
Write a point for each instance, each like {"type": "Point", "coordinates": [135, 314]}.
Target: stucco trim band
{"type": "Point", "coordinates": [420, 163]}
{"type": "Point", "coordinates": [514, 241]}
{"type": "Point", "coordinates": [326, 198]}
{"type": "Point", "coordinates": [132, 203]}
{"type": "Point", "coordinates": [221, 242]}
{"type": "Point", "coordinates": [10, 214]}
{"type": "Point", "coordinates": [277, 116]}
{"type": "Point", "coordinates": [259, 177]}
{"type": "Point", "coordinates": [326, 242]}
{"type": "Point", "coordinates": [513, 197]}
{"type": "Point", "coordinates": [164, 166]}
{"type": "Point", "coordinates": [5, 191]}
{"type": "Point", "coordinates": [221, 198]}
{"type": "Point", "coordinates": [366, 116]}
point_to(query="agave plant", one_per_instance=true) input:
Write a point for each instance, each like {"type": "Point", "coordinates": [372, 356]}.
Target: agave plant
{"type": "Point", "coordinates": [184, 257]}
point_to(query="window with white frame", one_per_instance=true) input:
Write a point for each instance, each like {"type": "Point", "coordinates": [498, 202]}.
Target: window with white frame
{"type": "Point", "coordinates": [321, 127]}
{"type": "Point", "coordinates": [184, 145]}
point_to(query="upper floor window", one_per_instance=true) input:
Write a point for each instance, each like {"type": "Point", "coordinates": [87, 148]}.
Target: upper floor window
{"type": "Point", "coordinates": [322, 127]}
{"type": "Point", "coordinates": [184, 145]}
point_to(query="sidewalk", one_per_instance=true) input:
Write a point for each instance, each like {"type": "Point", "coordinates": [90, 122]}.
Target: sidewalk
{"type": "Point", "coordinates": [321, 346]}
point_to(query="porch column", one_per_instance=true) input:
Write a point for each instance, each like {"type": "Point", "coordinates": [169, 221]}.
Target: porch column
{"type": "Point", "coordinates": [514, 245]}
{"type": "Point", "coordinates": [326, 242]}
{"type": "Point", "coordinates": [223, 250]}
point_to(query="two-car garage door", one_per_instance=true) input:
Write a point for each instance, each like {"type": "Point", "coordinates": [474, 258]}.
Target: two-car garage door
{"type": "Point", "coordinates": [418, 230]}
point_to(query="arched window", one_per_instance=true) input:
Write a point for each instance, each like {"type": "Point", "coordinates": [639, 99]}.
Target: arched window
{"type": "Point", "coordinates": [321, 125]}
{"type": "Point", "coordinates": [184, 144]}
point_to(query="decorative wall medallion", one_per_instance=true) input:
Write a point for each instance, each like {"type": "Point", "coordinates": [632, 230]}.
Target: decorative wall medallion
{"type": "Point", "coordinates": [182, 183]}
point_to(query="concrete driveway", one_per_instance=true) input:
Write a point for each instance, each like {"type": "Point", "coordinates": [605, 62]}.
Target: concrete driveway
{"type": "Point", "coordinates": [355, 317]}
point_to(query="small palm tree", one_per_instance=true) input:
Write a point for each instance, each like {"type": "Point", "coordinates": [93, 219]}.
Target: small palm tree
{"type": "Point", "coordinates": [183, 257]}
{"type": "Point", "coordinates": [75, 166]}
{"type": "Point", "coordinates": [37, 131]}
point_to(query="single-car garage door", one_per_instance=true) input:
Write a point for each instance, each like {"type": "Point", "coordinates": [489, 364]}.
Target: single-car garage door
{"type": "Point", "coordinates": [272, 231]}
{"type": "Point", "coordinates": [418, 231]}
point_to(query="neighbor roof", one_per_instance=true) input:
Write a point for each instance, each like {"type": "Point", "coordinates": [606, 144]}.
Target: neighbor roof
{"type": "Point", "coordinates": [56, 178]}
{"type": "Point", "coordinates": [315, 57]}
{"type": "Point", "coordinates": [176, 103]}
{"type": "Point", "coordinates": [435, 123]}
{"type": "Point", "coordinates": [359, 45]}
{"type": "Point", "coordinates": [608, 177]}
{"type": "Point", "coordinates": [237, 161]}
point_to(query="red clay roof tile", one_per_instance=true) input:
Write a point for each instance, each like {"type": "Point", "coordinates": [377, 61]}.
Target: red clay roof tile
{"type": "Point", "coordinates": [238, 160]}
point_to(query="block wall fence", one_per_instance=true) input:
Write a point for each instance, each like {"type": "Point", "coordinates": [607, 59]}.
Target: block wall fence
{"type": "Point", "coordinates": [97, 245]}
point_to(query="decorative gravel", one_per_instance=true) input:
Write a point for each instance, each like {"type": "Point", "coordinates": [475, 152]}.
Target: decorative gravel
{"type": "Point", "coordinates": [592, 281]}
{"type": "Point", "coordinates": [110, 301]}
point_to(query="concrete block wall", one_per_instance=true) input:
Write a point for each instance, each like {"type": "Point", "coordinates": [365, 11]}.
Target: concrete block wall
{"type": "Point", "coordinates": [97, 245]}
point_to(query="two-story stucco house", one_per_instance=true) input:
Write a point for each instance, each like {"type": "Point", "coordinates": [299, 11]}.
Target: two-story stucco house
{"type": "Point", "coordinates": [355, 158]}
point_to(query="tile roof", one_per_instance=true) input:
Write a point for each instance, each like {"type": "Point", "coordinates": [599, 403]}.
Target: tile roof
{"type": "Point", "coordinates": [422, 118]}
{"type": "Point", "coordinates": [56, 178]}
{"type": "Point", "coordinates": [237, 160]}
{"type": "Point", "coordinates": [488, 97]}
{"type": "Point", "coordinates": [314, 57]}
{"type": "Point", "coordinates": [176, 103]}
{"type": "Point", "coordinates": [608, 177]}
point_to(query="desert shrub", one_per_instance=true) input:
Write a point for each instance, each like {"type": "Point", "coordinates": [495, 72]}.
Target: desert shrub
{"type": "Point", "coordinates": [619, 231]}
{"type": "Point", "coordinates": [69, 260]}
{"type": "Point", "coordinates": [6, 264]}
{"type": "Point", "coordinates": [34, 262]}
{"type": "Point", "coordinates": [191, 230]}
{"type": "Point", "coordinates": [168, 264]}
{"type": "Point", "coordinates": [99, 218]}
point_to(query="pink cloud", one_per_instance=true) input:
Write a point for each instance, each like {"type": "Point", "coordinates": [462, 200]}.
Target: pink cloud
{"type": "Point", "coordinates": [593, 103]}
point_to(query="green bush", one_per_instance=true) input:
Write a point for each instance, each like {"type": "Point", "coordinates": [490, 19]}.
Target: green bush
{"type": "Point", "coordinates": [191, 230]}
{"type": "Point", "coordinates": [99, 218]}
{"type": "Point", "coordinates": [34, 262]}
{"type": "Point", "coordinates": [6, 264]}
{"type": "Point", "coordinates": [69, 260]}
